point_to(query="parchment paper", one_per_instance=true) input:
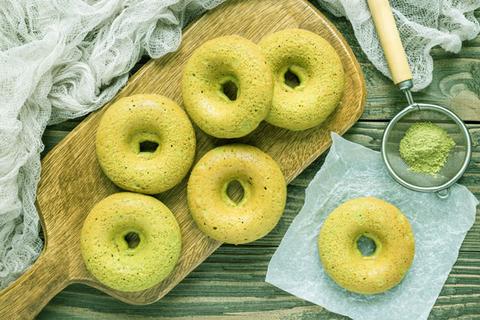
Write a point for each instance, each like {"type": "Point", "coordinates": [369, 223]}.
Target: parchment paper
{"type": "Point", "coordinates": [351, 170]}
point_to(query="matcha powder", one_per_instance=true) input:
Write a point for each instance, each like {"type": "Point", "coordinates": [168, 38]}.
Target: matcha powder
{"type": "Point", "coordinates": [425, 147]}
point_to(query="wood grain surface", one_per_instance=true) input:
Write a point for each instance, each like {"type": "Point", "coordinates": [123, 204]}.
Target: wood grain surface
{"type": "Point", "coordinates": [72, 182]}
{"type": "Point", "coordinates": [230, 285]}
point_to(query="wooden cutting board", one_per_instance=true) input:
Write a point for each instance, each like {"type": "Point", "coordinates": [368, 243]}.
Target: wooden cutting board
{"type": "Point", "coordinates": [72, 182]}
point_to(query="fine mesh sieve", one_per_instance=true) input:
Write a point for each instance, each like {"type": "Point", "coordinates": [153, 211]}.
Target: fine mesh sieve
{"type": "Point", "coordinates": [458, 158]}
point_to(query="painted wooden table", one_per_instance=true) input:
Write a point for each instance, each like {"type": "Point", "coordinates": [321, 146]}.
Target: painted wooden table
{"type": "Point", "coordinates": [230, 283]}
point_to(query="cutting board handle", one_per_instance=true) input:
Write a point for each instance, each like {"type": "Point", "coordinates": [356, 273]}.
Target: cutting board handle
{"type": "Point", "coordinates": [27, 295]}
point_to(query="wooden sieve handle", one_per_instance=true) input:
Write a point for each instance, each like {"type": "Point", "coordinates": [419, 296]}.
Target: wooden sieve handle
{"type": "Point", "coordinates": [390, 40]}
{"type": "Point", "coordinates": [27, 295]}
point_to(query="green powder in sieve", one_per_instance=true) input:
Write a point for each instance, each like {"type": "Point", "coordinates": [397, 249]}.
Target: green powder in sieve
{"type": "Point", "coordinates": [425, 147]}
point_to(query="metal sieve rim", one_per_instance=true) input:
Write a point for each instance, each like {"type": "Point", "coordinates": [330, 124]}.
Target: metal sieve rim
{"type": "Point", "coordinates": [445, 111]}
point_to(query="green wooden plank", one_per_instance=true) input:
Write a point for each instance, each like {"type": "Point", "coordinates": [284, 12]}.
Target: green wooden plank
{"type": "Point", "coordinates": [456, 82]}
{"type": "Point", "coordinates": [229, 284]}
{"type": "Point", "coordinates": [232, 282]}
{"type": "Point", "coordinates": [368, 134]}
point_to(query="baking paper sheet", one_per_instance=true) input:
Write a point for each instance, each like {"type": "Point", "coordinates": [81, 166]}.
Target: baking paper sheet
{"type": "Point", "coordinates": [440, 225]}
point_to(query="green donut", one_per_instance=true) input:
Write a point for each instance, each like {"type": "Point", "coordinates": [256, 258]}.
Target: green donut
{"type": "Point", "coordinates": [122, 266]}
{"type": "Point", "coordinates": [378, 220]}
{"type": "Point", "coordinates": [217, 67]}
{"type": "Point", "coordinates": [147, 120]}
{"type": "Point", "coordinates": [308, 78]}
{"type": "Point", "coordinates": [261, 206]}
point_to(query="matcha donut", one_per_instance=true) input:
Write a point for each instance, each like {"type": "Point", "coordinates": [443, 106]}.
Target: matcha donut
{"type": "Point", "coordinates": [308, 78]}
{"type": "Point", "coordinates": [379, 221]}
{"type": "Point", "coordinates": [227, 87]}
{"type": "Point", "coordinates": [145, 143]}
{"type": "Point", "coordinates": [130, 242]}
{"type": "Point", "coordinates": [217, 213]}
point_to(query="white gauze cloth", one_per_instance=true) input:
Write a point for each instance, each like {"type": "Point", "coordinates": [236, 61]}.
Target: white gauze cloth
{"type": "Point", "coordinates": [423, 24]}
{"type": "Point", "coordinates": [61, 59]}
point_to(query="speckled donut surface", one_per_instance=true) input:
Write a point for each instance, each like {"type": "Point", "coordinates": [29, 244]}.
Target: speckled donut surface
{"type": "Point", "coordinates": [230, 59]}
{"type": "Point", "coordinates": [107, 254]}
{"type": "Point", "coordinates": [263, 202]}
{"type": "Point", "coordinates": [131, 122]}
{"type": "Point", "coordinates": [320, 78]}
{"type": "Point", "coordinates": [381, 222]}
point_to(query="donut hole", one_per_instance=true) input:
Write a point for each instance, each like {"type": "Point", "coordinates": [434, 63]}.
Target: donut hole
{"type": "Point", "coordinates": [230, 90]}
{"type": "Point", "coordinates": [148, 146]}
{"type": "Point", "coordinates": [235, 191]}
{"type": "Point", "coordinates": [132, 239]}
{"type": "Point", "coordinates": [291, 79]}
{"type": "Point", "coordinates": [366, 246]}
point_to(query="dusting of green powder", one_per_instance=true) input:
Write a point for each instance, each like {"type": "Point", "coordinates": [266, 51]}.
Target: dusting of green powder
{"type": "Point", "coordinates": [425, 147]}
